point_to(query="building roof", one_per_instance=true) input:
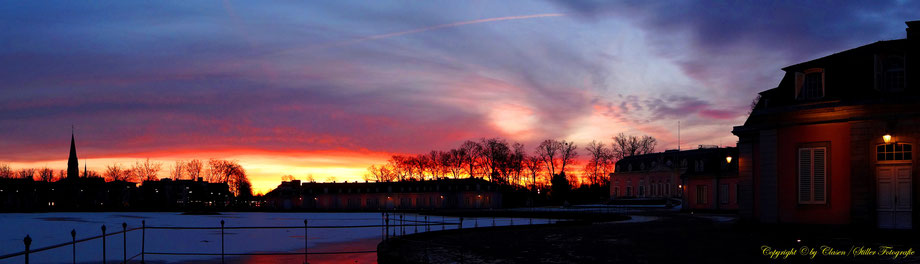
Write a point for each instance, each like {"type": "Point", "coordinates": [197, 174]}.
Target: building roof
{"type": "Point", "coordinates": [851, 85]}
{"type": "Point", "coordinates": [713, 159]}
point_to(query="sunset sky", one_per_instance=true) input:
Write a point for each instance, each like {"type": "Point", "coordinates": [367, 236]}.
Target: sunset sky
{"type": "Point", "coordinates": [329, 88]}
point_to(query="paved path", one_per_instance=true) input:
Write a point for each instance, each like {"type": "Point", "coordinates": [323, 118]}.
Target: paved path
{"type": "Point", "coordinates": [659, 238]}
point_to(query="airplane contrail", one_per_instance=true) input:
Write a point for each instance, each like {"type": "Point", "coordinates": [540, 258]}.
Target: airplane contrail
{"type": "Point", "coordinates": [455, 24]}
{"type": "Point", "coordinates": [419, 30]}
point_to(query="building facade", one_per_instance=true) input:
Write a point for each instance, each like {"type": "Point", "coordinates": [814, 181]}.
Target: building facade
{"type": "Point", "coordinates": [833, 142]}
{"type": "Point", "coordinates": [706, 178]}
{"type": "Point", "coordinates": [405, 195]}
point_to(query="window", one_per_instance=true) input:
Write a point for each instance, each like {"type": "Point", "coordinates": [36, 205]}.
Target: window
{"type": "Point", "coordinates": [723, 194]}
{"type": "Point", "coordinates": [894, 152]}
{"type": "Point", "coordinates": [889, 73]}
{"type": "Point", "coordinates": [641, 191]}
{"type": "Point", "coordinates": [616, 191]}
{"type": "Point", "coordinates": [812, 175]}
{"type": "Point", "coordinates": [668, 190]}
{"type": "Point", "coordinates": [700, 166]}
{"type": "Point", "coordinates": [810, 84]}
{"type": "Point", "coordinates": [701, 194]}
{"type": "Point", "coordinates": [628, 191]}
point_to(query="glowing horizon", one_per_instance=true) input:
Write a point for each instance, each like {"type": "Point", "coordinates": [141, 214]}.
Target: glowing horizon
{"type": "Point", "coordinates": [332, 88]}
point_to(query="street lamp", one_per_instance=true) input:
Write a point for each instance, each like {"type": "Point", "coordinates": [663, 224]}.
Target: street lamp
{"type": "Point", "coordinates": [886, 138]}
{"type": "Point", "coordinates": [728, 159]}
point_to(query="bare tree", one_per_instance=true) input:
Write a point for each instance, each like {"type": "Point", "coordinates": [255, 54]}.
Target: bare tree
{"type": "Point", "coordinates": [287, 178]}
{"type": "Point", "coordinates": [193, 169]}
{"type": "Point", "coordinates": [473, 151]}
{"type": "Point", "coordinates": [61, 174]}
{"type": "Point", "coordinates": [231, 173]}
{"type": "Point", "coordinates": [534, 167]}
{"type": "Point", "coordinates": [456, 159]}
{"type": "Point", "coordinates": [146, 170]}
{"type": "Point", "coordinates": [91, 174]}
{"type": "Point", "coordinates": [6, 172]}
{"type": "Point", "coordinates": [46, 174]}
{"type": "Point", "coordinates": [598, 158]}
{"type": "Point", "coordinates": [625, 146]}
{"type": "Point", "coordinates": [115, 172]}
{"type": "Point", "coordinates": [177, 170]}
{"type": "Point", "coordinates": [496, 155]}
{"type": "Point", "coordinates": [567, 154]}
{"type": "Point", "coordinates": [548, 150]}
{"type": "Point", "coordinates": [516, 163]}
{"type": "Point", "coordinates": [26, 173]}
{"type": "Point", "coordinates": [400, 166]}
{"type": "Point", "coordinates": [380, 173]}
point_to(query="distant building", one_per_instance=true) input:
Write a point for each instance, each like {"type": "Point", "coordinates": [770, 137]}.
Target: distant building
{"type": "Point", "coordinates": [405, 195]}
{"type": "Point", "coordinates": [73, 166]}
{"type": "Point", "coordinates": [75, 193]}
{"type": "Point", "coordinates": [833, 143]}
{"type": "Point", "coordinates": [705, 179]}
{"type": "Point", "coordinates": [172, 194]}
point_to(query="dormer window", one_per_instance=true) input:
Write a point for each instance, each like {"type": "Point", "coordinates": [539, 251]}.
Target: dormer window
{"type": "Point", "coordinates": [889, 73]}
{"type": "Point", "coordinates": [809, 84]}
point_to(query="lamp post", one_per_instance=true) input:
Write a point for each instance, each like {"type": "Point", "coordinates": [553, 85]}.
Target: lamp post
{"type": "Point", "coordinates": [886, 138]}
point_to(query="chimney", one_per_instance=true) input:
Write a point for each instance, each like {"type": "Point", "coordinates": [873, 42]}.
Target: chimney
{"type": "Point", "coordinates": [912, 29]}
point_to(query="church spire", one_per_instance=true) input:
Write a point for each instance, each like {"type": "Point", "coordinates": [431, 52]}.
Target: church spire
{"type": "Point", "coordinates": [73, 167]}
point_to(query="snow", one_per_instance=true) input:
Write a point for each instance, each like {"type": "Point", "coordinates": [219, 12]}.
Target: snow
{"type": "Point", "coordinates": [53, 228]}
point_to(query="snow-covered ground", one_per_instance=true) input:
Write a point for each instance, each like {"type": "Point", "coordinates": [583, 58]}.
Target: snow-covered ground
{"type": "Point", "coordinates": [53, 228]}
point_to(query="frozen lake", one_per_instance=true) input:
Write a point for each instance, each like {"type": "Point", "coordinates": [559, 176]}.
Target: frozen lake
{"type": "Point", "coordinates": [47, 229]}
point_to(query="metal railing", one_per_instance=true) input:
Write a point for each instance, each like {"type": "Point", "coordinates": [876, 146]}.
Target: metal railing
{"type": "Point", "coordinates": [398, 227]}
{"type": "Point", "coordinates": [385, 226]}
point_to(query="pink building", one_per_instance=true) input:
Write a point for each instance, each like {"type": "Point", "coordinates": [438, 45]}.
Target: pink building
{"type": "Point", "coordinates": [705, 180]}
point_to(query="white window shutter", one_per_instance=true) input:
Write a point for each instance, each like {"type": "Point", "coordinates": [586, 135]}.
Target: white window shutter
{"type": "Point", "coordinates": [820, 175]}
{"type": "Point", "coordinates": [805, 175]}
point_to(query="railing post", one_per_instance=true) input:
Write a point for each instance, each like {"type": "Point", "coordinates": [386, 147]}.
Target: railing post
{"type": "Point", "coordinates": [305, 241]}
{"type": "Point", "coordinates": [402, 225]}
{"type": "Point", "coordinates": [103, 244]}
{"type": "Point", "coordinates": [28, 242]}
{"type": "Point", "coordinates": [427, 226]}
{"type": "Point", "coordinates": [460, 225]}
{"type": "Point", "coordinates": [221, 241]}
{"type": "Point", "coordinates": [415, 223]}
{"type": "Point", "coordinates": [124, 246]}
{"type": "Point", "coordinates": [73, 239]}
{"type": "Point", "coordinates": [143, 238]}
{"type": "Point", "coordinates": [475, 222]}
{"type": "Point", "coordinates": [386, 219]}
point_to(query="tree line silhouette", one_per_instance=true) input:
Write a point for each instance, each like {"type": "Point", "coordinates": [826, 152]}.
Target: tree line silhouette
{"type": "Point", "coordinates": [213, 170]}
{"type": "Point", "coordinates": [499, 161]}
{"type": "Point", "coordinates": [494, 159]}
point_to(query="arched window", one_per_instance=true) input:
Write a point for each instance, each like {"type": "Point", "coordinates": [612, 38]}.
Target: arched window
{"type": "Point", "coordinates": [894, 152]}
